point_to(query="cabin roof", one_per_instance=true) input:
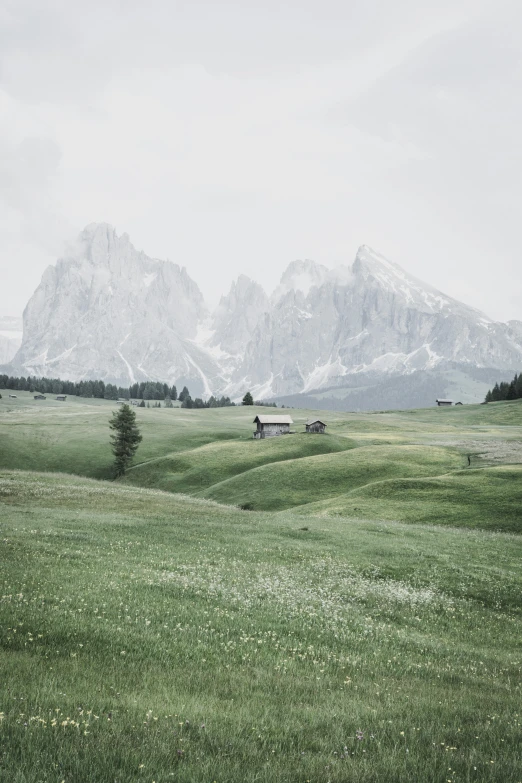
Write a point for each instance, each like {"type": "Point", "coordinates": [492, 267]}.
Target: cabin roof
{"type": "Point", "coordinates": [315, 421]}
{"type": "Point", "coordinates": [444, 401]}
{"type": "Point", "coordinates": [263, 419]}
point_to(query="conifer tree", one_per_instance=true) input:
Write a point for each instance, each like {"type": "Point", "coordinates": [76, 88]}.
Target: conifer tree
{"type": "Point", "coordinates": [126, 437]}
{"type": "Point", "coordinates": [248, 399]}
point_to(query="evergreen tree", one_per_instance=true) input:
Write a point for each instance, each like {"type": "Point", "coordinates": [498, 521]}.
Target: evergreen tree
{"type": "Point", "coordinates": [126, 437]}
{"type": "Point", "coordinates": [142, 404]}
{"type": "Point", "coordinates": [174, 393]}
{"type": "Point", "coordinates": [111, 392]}
{"type": "Point", "coordinates": [187, 402]}
{"type": "Point", "coordinates": [183, 394]}
{"type": "Point", "coordinates": [511, 392]}
{"type": "Point", "coordinates": [248, 399]}
{"type": "Point", "coordinates": [149, 392]}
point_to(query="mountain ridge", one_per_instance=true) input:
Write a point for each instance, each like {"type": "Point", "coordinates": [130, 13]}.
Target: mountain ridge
{"type": "Point", "coordinates": [107, 310]}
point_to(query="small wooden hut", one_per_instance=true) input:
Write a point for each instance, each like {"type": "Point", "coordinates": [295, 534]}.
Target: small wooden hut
{"type": "Point", "coordinates": [444, 403]}
{"type": "Point", "coordinates": [39, 397]}
{"type": "Point", "coordinates": [62, 397]}
{"type": "Point", "coordinates": [315, 425]}
{"type": "Point", "coordinates": [270, 426]}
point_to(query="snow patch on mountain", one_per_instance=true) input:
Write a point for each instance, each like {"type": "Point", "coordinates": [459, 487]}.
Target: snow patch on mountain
{"type": "Point", "coordinates": [324, 374]}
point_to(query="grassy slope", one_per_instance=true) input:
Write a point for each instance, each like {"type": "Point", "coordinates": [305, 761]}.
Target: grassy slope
{"type": "Point", "coordinates": [194, 642]}
{"type": "Point", "coordinates": [74, 436]}
{"type": "Point", "coordinates": [193, 470]}
{"type": "Point", "coordinates": [485, 498]}
{"type": "Point", "coordinates": [297, 481]}
{"type": "Point", "coordinates": [203, 452]}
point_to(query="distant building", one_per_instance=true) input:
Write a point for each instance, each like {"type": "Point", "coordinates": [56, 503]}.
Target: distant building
{"type": "Point", "coordinates": [315, 425]}
{"type": "Point", "coordinates": [443, 403]}
{"type": "Point", "coordinates": [13, 395]}
{"type": "Point", "coordinates": [459, 403]}
{"type": "Point", "coordinates": [269, 426]}
{"type": "Point", "coordinates": [61, 397]}
{"type": "Point", "coordinates": [38, 397]}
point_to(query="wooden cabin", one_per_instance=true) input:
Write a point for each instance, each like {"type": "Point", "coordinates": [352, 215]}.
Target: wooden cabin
{"type": "Point", "coordinates": [444, 403]}
{"type": "Point", "coordinates": [62, 397]}
{"type": "Point", "coordinates": [39, 397]}
{"type": "Point", "coordinates": [315, 425]}
{"type": "Point", "coordinates": [270, 426]}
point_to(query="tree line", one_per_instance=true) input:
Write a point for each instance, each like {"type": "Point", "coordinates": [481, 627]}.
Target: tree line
{"type": "Point", "coordinates": [146, 391]}
{"type": "Point", "coordinates": [149, 390]}
{"type": "Point", "coordinates": [506, 390]}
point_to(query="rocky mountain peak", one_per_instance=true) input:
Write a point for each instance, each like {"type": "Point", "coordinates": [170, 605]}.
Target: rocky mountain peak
{"type": "Point", "coordinates": [300, 276]}
{"type": "Point", "coordinates": [109, 311]}
{"type": "Point", "coordinates": [237, 315]}
{"type": "Point", "coordinates": [97, 241]}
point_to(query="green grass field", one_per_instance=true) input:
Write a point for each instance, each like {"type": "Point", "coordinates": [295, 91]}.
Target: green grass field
{"type": "Point", "coordinates": [368, 631]}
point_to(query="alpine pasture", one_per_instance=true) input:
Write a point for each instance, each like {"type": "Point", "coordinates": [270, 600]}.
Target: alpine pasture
{"type": "Point", "coordinates": [339, 607]}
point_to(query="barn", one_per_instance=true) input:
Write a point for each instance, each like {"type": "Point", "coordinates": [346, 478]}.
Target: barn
{"type": "Point", "coordinates": [269, 426]}
{"type": "Point", "coordinates": [444, 403]}
{"type": "Point", "coordinates": [315, 425]}
{"type": "Point", "coordinates": [39, 397]}
{"type": "Point", "coordinates": [62, 397]}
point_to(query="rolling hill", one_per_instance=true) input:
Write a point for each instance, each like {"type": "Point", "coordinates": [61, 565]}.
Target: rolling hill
{"type": "Point", "coordinates": [368, 630]}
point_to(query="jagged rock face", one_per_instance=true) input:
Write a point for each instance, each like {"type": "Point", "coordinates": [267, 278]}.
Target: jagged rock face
{"type": "Point", "coordinates": [10, 338]}
{"type": "Point", "coordinates": [110, 312]}
{"type": "Point", "coordinates": [370, 317]}
{"type": "Point", "coordinates": [237, 315]}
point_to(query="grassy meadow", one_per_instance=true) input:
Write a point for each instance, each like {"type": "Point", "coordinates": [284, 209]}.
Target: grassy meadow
{"type": "Point", "coordinates": [359, 622]}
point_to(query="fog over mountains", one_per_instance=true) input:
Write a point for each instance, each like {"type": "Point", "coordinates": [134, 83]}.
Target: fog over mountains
{"type": "Point", "coordinates": [363, 336]}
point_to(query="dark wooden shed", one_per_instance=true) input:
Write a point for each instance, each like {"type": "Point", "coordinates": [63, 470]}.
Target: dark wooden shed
{"type": "Point", "coordinates": [39, 397]}
{"type": "Point", "coordinates": [315, 425]}
{"type": "Point", "coordinates": [444, 403]}
{"type": "Point", "coordinates": [269, 426]}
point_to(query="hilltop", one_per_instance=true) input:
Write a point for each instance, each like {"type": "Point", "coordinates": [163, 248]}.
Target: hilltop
{"type": "Point", "coordinates": [362, 467]}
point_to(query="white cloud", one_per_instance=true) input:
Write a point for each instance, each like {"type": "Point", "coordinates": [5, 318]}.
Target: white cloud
{"type": "Point", "coordinates": [233, 137]}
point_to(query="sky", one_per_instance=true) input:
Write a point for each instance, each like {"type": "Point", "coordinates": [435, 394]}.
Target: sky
{"type": "Point", "coordinates": [233, 136]}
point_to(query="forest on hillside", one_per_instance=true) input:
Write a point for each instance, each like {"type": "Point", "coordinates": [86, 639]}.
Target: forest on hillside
{"type": "Point", "coordinates": [506, 390]}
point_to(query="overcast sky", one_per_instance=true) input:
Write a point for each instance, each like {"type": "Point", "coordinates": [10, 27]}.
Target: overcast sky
{"type": "Point", "coordinates": [233, 136]}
